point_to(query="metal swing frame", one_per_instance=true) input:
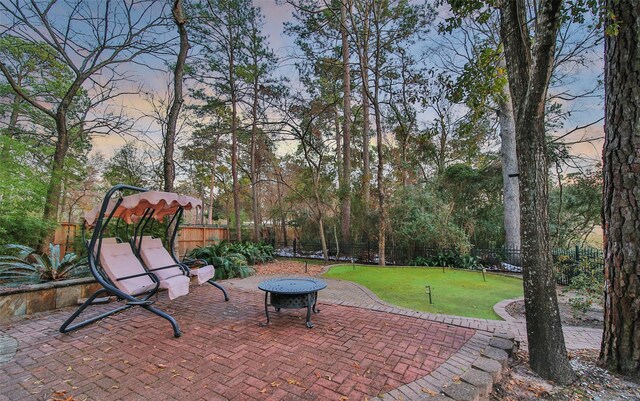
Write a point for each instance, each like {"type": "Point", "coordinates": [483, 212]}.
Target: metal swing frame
{"type": "Point", "coordinates": [109, 288]}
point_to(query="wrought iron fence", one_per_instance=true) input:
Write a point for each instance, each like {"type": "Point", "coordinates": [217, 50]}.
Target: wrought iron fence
{"type": "Point", "coordinates": [567, 262]}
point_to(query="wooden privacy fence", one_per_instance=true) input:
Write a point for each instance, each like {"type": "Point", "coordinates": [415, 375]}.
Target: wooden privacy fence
{"type": "Point", "coordinates": [189, 237]}
{"type": "Point", "coordinates": [65, 235]}
{"type": "Point", "coordinates": [194, 236]}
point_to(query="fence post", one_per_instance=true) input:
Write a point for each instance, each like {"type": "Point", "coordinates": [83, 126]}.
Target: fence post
{"type": "Point", "coordinates": [368, 251]}
{"type": "Point", "coordinates": [295, 243]}
{"type": "Point", "coordinates": [577, 254]}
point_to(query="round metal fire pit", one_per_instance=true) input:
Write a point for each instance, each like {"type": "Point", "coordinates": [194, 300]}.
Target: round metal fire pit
{"type": "Point", "coordinates": [292, 293]}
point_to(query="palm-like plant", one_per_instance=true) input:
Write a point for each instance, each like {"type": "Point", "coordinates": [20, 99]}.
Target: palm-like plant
{"type": "Point", "coordinates": [27, 265]}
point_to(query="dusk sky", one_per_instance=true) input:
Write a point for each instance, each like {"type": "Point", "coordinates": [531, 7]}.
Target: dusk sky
{"type": "Point", "coordinates": [583, 111]}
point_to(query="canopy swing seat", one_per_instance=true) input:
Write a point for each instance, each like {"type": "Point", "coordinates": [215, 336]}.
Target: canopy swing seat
{"type": "Point", "coordinates": [135, 271]}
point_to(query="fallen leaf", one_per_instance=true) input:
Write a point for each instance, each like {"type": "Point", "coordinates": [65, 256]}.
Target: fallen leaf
{"type": "Point", "coordinates": [343, 398]}
{"type": "Point", "coordinates": [429, 391]}
{"type": "Point", "coordinates": [69, 368]}
{"type": "Point", "coordinates": [328, 377]}
{"type": "Point", "coordinates": [275, 384]}
{"type": "Point", "coordinates": [264, 390]}
{"type": "Point", "coordinates": [161, 366]}
{"type": "Point", "coordinates": [293, 382]}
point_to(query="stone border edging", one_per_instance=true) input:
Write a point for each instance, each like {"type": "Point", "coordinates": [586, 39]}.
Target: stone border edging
{"type": "Point", "coordinates": [501, 309]}
{"type": "Point", "coordinates": [469, 374]}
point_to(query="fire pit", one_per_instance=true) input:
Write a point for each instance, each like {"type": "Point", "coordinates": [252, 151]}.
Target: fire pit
{"type": "Point", "coordinates": [292, 293]}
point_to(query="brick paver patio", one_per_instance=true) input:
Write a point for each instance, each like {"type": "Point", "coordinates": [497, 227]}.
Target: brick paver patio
{"type": "Point", "coordinates": [225, 354]}
{"type": "Point", "coordinates": [360, 348]}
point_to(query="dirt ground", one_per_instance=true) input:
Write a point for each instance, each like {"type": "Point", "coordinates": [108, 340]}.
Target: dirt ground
{"type": "Point", "coordinates": [593, 383]}
{"type": "Point", "coordinates": [592, 318]}
{"type": "Point", "coordinates": [289, 267]}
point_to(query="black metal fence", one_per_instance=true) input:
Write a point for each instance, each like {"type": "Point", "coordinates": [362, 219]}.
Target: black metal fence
{"type": "Point", "coordinates": [568, 262]}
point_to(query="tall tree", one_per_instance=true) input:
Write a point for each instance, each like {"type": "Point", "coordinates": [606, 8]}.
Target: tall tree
{"type": "Point", "coordinates": [529, 61]}
{"type": "Point", "coordinates": [359, 14]}
{"type": "Point", "coordinates": [169, 168]}
{"type": "Point", "coordinates": [345, 187]}
{"type": "Point", "coordinates": [621, 209]}
{"type": "Point", "coordinates": [394, 25]}
{"type": "Point", "coordinates": [261, 62]}
{"type": "Point", "coordinates": [88, 39]}
{"type": "Point", "coordinates": [220, 30]}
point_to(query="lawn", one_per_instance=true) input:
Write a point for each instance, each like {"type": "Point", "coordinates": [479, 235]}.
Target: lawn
{"type": "Point", "coordinates": [454, 292]}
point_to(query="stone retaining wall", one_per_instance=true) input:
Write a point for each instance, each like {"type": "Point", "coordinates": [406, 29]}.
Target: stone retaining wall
{"type": "Point", "coordinates": [28, 299]}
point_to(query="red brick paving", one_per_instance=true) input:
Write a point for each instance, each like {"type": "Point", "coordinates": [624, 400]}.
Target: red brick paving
{"type": "Point", "coordinates": [224, 354]}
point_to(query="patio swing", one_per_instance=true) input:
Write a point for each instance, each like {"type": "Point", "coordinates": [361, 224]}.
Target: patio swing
{"type": "Point", "coordinates": [134, 272]}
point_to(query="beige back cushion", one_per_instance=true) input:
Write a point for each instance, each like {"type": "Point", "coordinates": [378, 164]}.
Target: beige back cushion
{"type": "Point", "coordinates": [155, 256]}
{"type": "Point", "coordinates": [118, 260]}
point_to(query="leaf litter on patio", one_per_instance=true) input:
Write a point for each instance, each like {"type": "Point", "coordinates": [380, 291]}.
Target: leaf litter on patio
{"type": "Point", "coordinates": [594, 383]}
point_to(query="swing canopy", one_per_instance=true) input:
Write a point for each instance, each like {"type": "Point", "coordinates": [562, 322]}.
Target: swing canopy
{"type": "Point", "coordinates": [133, 207]}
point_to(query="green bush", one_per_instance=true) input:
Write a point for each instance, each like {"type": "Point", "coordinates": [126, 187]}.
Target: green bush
{"type": "Point", "coordinates": [587, 283]}
{"type": "Point", "coordinates": [449, 258]}
{"type": "Point", "coordinates": [418, 215]}
{"type": "Point", "coordinates": [228, 262]}
{"type": "Point", "coordinates": [22, 264]}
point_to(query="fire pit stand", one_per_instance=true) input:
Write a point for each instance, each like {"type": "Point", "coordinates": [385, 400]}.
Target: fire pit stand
{"type": "Point", "coordinates": [292, 293]}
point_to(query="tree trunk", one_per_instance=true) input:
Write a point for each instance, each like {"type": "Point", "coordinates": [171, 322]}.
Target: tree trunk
{"type": "Point", "coordinates": [169, 168]}
{"type": "Point", "coordinates": [381, 206]}
{"type": "Point", "coordinates": [336, 122]}
{"type": "Point", "coordinates": [13, 119]}
{"type": "Point", "coordinates": [52, 200]}
{"type": "Point", "coordinates": [366, 169]}
{"type": "Point", "coordinates": [404, 169]}
{"type": "Point", "coordinates": [375, 100]}
{"type": "Point", "coordinates": [283, 215]}
{"type": "Point", "coordinates": [234, 148]}
{"type": "Point", "coordinates": [325, 251]}
{"type": "Point", "coordinates": [382, 224]}
{"type": "Point", "coordinates": [211, 195]}
{"type": "Point", "coordinates": [254, 168]}
{"type": "Point", "coordinates": [529, 69]}
{"type": "Point", "coordinates": [620, 350]}
{"type": "Point", "coordinates": [511, 192]}
{"type": "Point", "coordinates": [345, 191]}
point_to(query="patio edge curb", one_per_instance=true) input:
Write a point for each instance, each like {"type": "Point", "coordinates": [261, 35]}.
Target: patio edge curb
{"type": "Point", "coordinates": [468, 375]}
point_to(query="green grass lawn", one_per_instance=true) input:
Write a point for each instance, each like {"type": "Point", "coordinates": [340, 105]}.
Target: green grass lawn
{"type": "Point", "coordinates": [454, 292]}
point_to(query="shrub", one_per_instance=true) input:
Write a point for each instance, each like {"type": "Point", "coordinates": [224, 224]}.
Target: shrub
{"type": "Point", "coordinates": [417, 215]}
{"type": "Point", "coordinates": [448, 258]}
{"type": "Point", "coordinates": [254, 253]}
{"type": "Point", "coordinates": [25, 265]}
{"type": "Point", "coordinates": [587, 283]}
{"type": "Point", "coordinates": [228, 264]}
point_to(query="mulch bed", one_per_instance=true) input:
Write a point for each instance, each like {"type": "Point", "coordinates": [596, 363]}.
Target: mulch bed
{"type": "Point", "coordinates": [592, 318]}
{"type": "Point", "coordinates": [289, 267]}
{"type": "Point", "coordinates": [593, 383]}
